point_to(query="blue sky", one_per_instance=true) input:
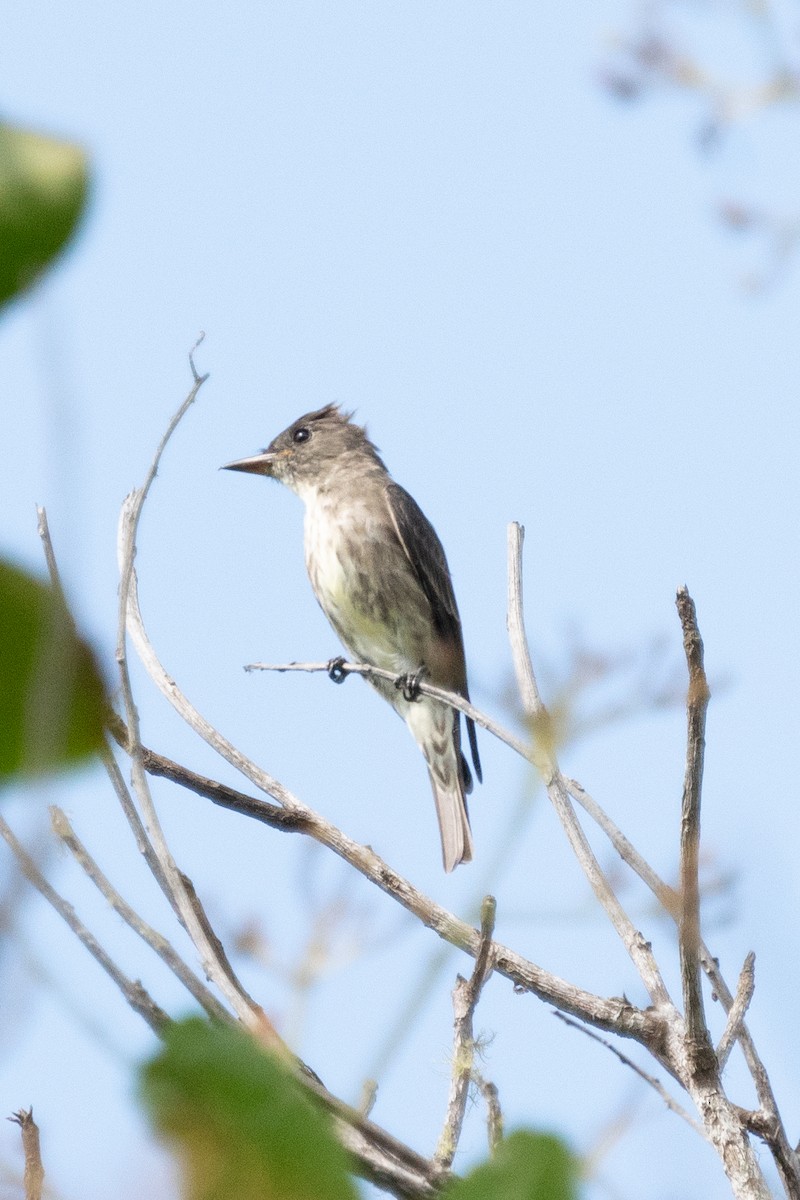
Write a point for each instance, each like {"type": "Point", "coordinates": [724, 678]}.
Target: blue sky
{"type": "Point", "coordinates": [434, 215]}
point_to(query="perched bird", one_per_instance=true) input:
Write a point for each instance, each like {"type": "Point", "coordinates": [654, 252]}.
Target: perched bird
{"type": "Point", "coordinates": [381, 577]}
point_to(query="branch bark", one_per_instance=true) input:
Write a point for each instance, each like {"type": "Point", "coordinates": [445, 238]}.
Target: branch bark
{"type": "Point", "coordinates": [34, 1171]}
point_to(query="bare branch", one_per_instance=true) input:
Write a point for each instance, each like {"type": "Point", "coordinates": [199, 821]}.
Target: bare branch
{"type": "Point", "coordinates": [466, 994]}
{"type": "Point", "coordinates": [515, 624]}
{"type": "Point", "coordinates": [34, 1171]}
{"type": "Point", "coordinates": [177, 888]}
{"type": "Point", "coordinates": [494, 1114]}
{"type": "Point", "coordinates": [736, 1015]}
{"type": "Point", "coordinates": [131, 813]}
{"type": "Point", "coordinates": [613, 1015]}
{"type": "Point", "coordinates": [785, 1155]}
{"type": "Point", "coordinates": [699, 1044]}
{"type": "Point", "coordinates": [425, 689]}
{"type": "Point", "coordinates": [544, 757]}
{"type": "Point", "coordinates": [156, 941]}
{"type": "Point", "coordinates": [651, 1080]}
{"type": "Point", "coordinates": [133, 991]}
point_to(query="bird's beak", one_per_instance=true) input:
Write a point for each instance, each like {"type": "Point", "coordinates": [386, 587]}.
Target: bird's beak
{"type": "Point", "coordinates": [259, 464]}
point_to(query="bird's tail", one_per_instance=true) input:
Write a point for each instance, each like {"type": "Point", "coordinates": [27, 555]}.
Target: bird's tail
{"type": "Point", "coordinates": [437, 732]}
{"type": "Point", "coordinates": [456, 835]}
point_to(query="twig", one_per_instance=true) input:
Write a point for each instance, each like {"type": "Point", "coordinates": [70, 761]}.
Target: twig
{"type": "Point", "coordinates": [613, 1015]}
{"type": "Point", "coordinates": [785, 1155]}
{"type": "Point", "coordinates": [143, 843]}
{"type": "Point", "coordinates": [156, 941]}
{"type": "Point", "coordinates": [653, 1082]}
{"type": "Point", "coordinates": [741, 1003]}
{"type": "Point", "coordinates": [639, 950]}
{"type": "Point", "coordinates": [176, 887]}
{"type": "Point", "coordinates": [426, 689]}
{"type": "Point", "coordinates": [466, 994]}
{"type": "Point", "coordinates": [494, 1114]}
{"type": "Point", "coordinates": [133, 991]}
{"type": "Point", "coordinates": [34, 1171]}
{"type": "Point", "coordinates": [689, 923]}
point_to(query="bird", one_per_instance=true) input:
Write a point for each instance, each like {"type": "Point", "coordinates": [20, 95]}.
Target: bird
{"type": "Point", "coordinates": [380, 575]}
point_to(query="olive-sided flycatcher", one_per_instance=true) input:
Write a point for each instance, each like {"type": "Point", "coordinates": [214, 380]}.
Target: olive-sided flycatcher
{"type": "Point", "coordinates": [381, 577]}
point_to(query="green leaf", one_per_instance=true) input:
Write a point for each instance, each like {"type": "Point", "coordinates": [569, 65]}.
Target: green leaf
{"type": "Point", "coordinates": [52, 698]}
{"type": "Point", "coordinates": [43, 188]}
{"type": "Point", "coordinates": [241, 1123]}
{"type": "Point", "coordinates": [525, 1166]}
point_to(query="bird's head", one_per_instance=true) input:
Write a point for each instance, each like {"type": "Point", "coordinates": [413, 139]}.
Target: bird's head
{"type": "Point", "coordinates": [310, 449]}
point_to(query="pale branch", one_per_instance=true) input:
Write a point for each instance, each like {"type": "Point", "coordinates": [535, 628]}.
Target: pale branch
{"type": "Point", "coordinates": [215, 962]}
{"type": "Point", "coordinates": [652, 1081]}
{"type": "Point", "coordinates": [155, 940]}
{"type": "Point", "coordinates": [527, 686]}
{"type": "Point", "coordinates": [736, 1015]}
{"type": "Point", "coordinates": [131, 813]}
{"type": "Point", "coordinates": [426, 689]}
{"type": "Point", "coordinates": [699, 1042]}
{"type": "Point", "coordinates": [43, 529]}
{"type": "Point", "coordinates": [34, 1170]}
{"type": "Point", "coordinates": [666, 895]}
{"type": "Point", "coordinates": [772, 1129]}
{"type": "Point", "coordinates": [466, 994]}
{"type": "Point", "coordinates": [133, 991]}
{"type": "Point", "coordinates": [381, 1157]}
{"type": "Point", "coordinates": [369, 1094]}
{"type": "Point", "coordinates": [614, 1015]}
{"type": "Point", "coordinates": [689, 1054]}
{"type": "Point", "coordinates": [544, 758]}
{"type": "Point", "coordinates": [494, 1113]}
{"type": "Point", "coordinates": [112, 769]}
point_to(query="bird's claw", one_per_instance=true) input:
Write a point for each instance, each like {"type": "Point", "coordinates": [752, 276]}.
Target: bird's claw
{"type": "Point", "coordinates": [409, 683]}
{"type": "Point", "coordinates": [336, 670]}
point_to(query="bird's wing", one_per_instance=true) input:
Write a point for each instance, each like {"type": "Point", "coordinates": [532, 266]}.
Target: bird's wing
{"type": "Point", "coordinates": [426, 556]}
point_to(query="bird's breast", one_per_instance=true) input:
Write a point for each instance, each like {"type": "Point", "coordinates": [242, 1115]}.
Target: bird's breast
{"type": "Point", "coordinates": [356, 569]}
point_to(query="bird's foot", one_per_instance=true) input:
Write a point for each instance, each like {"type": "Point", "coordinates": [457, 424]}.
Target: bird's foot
{"type": "Point", "coordinates": [409, 683]}
{"type": "Point", "coordinates": [336, 670]}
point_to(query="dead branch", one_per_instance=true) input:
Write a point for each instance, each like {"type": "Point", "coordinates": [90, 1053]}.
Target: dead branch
{"type": "Point", "coordinates": [699, 1042]}
{"type": "Point", "coordinates": [34, 1171]}
{"type": "Point", "coordinates": [133, 991]}
{"type": "Point", "coordinates": [466, 994]}
{"type": "Point", "coordinates": [156, 941]}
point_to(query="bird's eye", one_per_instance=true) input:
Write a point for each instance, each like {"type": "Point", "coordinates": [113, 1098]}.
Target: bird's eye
{"type": "Point", "coordinates": [301, 435]}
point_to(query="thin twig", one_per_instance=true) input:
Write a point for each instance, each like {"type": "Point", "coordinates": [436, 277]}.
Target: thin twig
{"type": "Point", "coordinates": [613, 1015]}
{"type": "Point", "coordinates": [653, 1082]}
{"type": "Point", "coordinates": [43, 529]}
{"type": "Point", "coordinates": [466, 994]}
{"type": "Point", "coordinates": [426, 689]}
{"type": "Point", "coordinates": [736, 1015]}
{"type": "Point", "coordinates": [131, 813]}
{"type": "Point", "coordinates": [689, 924]}
{"type": "Point", "coordinates": [785, 1155]}
{"type": "Point", "coordinates": [638, 948]}
{"type": "Point", "coordinates": [115, 723]}
{"type": "Point", "coordinates": [34, 1171]}
{"type": "Point", "coordinates": [177, 888]}
{"type": "Point", "coordinates": [157, 942]}
{"type": "Point", "coordinates": [133, 991]}
{"type": "Point", "coordinates": [494, 1113]}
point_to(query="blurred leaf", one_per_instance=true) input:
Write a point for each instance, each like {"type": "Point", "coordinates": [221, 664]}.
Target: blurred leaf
{"type": "Point", "coordinates": [526, 1166]}
{"type": "Point", "coordinates": [43, 188]}
{"type": "Point", "coordinates": [52, 698]}
{"type": "Point", "coordinates": [241, 1123]}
